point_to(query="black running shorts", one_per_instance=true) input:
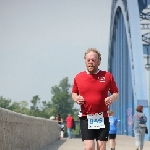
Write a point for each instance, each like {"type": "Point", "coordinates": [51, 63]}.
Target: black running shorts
{"type": "Point", "coordinates": [112, 136]}
{"type": "Point", "coordinates": [91, 134]}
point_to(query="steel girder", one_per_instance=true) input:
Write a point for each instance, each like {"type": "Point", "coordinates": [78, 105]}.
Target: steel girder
{"type": "Point", "coordinates": [126, 62]}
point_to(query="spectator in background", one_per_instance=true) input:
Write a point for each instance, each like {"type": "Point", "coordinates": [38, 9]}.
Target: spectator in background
{"type": "Point", "coordinates": [62, 131]}
{"type": "Point", "coordinates": [139, 131]}
{"type": "Point", "coordinates": [113, 129]}
{"type": "Point", "coordinates": [60, 121]}
{"type": "Point", "coordinates": [69, 124]}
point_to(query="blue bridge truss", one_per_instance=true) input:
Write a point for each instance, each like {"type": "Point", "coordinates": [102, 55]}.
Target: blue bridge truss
{"type": "Point", "coordinates": [129, 59]}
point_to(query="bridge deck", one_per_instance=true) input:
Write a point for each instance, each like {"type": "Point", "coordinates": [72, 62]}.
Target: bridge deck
{"type": "Point", "coordinates": [123, 143]}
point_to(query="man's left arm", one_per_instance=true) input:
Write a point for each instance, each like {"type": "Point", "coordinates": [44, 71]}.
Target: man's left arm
{"type": "Point", "coordinates": [110, 99]}
{"type": "Point", "coordinates": [114, 97]}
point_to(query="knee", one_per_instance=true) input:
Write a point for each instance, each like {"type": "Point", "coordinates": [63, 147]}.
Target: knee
{"type": "Point", "coordinates": [101, 145]}
{"type": "Point", "coordinates": [88, 148]}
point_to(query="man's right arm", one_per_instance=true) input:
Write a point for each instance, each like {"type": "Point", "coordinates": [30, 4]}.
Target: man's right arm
{"type": "Point", "coordinates": [74, 97]}
{"type": "Point", "coordinates": [77, 98]}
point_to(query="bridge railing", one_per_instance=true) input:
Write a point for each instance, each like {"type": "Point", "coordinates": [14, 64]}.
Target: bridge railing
{"type": "Point", "coordinates": [22, 132]}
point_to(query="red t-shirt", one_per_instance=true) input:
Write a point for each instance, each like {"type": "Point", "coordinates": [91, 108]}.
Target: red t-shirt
{"type": "Point", "coordinates": [69, 121]}
{"type": "Point", "coordinates": [94, 88]}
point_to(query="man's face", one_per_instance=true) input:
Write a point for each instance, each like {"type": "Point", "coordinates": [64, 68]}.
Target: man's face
{"type": "Point", "coordinates": [92, 62]}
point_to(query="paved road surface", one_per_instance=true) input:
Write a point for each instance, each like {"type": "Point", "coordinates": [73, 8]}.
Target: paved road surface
{"type": "Point", "coordinates": [123, 143]}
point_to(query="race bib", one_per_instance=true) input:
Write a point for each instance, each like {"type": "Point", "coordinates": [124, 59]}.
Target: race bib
{"type": "Point", "coordinates": [95, 121]}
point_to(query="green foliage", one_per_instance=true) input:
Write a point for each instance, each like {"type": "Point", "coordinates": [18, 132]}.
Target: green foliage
{"type": "Point", "coordinates": [15, 107]}
{"type": "Point", "coordinates": [34, 110]}
{"type": "Point", "coordinates": [20, 107]}
{"type": "Point", "coordinates": [62, 102]}
{"type": "Point", "coordinates": [47, 109]}
{"type": "Point", "coordinates": [76, 132]}
{"type": "Point", "coordinates": [35, 102]}
{"type": "Point", "coordinates": [4, 103]}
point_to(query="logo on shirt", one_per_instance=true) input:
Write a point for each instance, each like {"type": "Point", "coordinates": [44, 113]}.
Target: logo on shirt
{"type": "Point", "coordinates": [101, 79]}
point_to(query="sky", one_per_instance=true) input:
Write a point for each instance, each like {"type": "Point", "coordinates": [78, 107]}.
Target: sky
{"type": "Point", "coordinates": [44, 41]}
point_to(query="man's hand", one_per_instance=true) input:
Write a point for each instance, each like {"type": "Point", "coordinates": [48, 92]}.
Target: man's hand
{"type": "Point", "coordinates": [108, 101]}
{"type": "Point", "coordinates": [79, 100]}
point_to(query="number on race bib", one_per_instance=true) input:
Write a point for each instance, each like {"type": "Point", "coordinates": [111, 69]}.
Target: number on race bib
{"type": "Point", "coordinates": [95, 121]}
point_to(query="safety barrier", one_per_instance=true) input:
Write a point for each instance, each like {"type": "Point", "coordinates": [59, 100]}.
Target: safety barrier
{"type": "Point", "coordinates": [22, 132]}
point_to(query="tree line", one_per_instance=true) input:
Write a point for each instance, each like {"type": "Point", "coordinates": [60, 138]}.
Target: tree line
{"type": "Point", "coordinates": [61, 102]}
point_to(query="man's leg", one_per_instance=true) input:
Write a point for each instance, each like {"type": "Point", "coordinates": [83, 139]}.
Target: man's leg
{"type": "Point", "coordinates": [89, 145]}
{"type": "Point", "coordinates": [101, 145]}
{"type": "Point", "coordinates": [102, 136]}
{"type": "Point", "coordinates": [88, 135]}
{"type": "Point", "coordinates": [68, 131]}
{"type": "Point", "coordinates": [71, 132]}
